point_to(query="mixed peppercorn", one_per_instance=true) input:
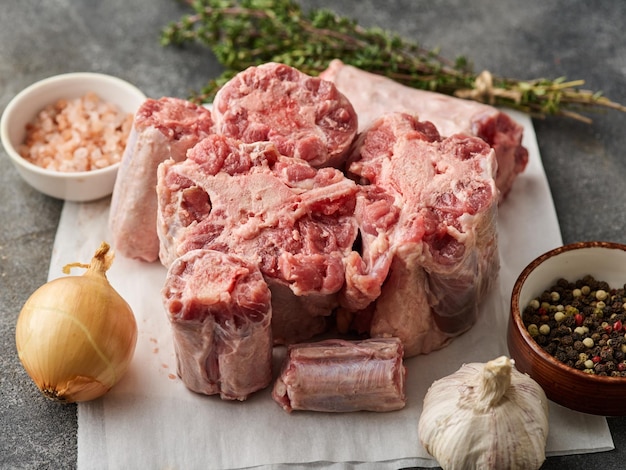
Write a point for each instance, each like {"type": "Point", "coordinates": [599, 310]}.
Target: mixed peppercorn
{"type": "Point", "coordinates": [581, 324]}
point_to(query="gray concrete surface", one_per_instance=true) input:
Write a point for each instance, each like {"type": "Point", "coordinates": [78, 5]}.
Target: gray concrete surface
{"type": "Point", "coordinates": [585, 164]}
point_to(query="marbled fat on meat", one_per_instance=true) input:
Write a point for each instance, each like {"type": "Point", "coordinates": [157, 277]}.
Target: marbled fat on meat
{"type": "Point", "coordinates": [374, 95]}
{"type": "Point", "coordinates": [436, 246]}
{"type": "Point", "coordinates": [293, 221]}
{"type": "Point", "coordinates": [162, 129]}
{"type": "Point", "coordinates": [305, 117]}
{"type": "Point", "coordinates": [220, 311]}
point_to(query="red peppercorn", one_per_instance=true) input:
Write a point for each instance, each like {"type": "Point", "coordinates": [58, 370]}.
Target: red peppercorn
{"type": "Point", "coordinates": [596, 359]}
{"type": "Point", "coordinates": [579, 319]}
{"type": "Point", "coordinates": [621, 367]}
{"type": "Point", "coordinates": [617, 326]}
{"type": "Point", "coordinates": [608, 329]}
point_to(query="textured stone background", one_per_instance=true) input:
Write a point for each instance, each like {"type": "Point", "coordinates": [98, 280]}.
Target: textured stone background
{"type": "Point", "coordinates": [585, 164]}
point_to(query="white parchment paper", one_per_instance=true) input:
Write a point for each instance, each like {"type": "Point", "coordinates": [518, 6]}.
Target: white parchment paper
{"type": "Point", "coordinates": [150, 420]}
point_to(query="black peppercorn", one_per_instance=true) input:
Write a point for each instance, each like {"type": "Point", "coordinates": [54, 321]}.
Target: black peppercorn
{"type": "Point", "coordinates": [582, 324]}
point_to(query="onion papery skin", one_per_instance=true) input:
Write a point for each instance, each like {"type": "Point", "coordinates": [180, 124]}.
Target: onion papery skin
{"type": "Point", "coordinates": [75, 337]}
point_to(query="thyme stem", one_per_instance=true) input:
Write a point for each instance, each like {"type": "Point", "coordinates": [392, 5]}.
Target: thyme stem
{"type": "Point", "coordinates": [243, 33]}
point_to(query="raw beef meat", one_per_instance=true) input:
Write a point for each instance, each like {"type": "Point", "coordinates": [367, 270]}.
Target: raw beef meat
{"type": "Point", "coordinates": [294, 221]}
{"type": "Point", "coordinates": [162, 129]}
{"type": "Point", "coordinates": [220, 311]}
{"type": "Point", "coordinates": [403, 245]}
{"type": "Point", "coordinates": [374, 95]}
{"type": "Point", "coordinates": [304, 116]}
{"type": "Point", "coordinates": [339, 376]}
{"type": "Point", "coordinates": [336, 375]}
{"type": "Point", "coordinates": [428, 227]}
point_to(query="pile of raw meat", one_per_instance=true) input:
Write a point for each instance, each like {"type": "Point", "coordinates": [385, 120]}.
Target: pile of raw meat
{"type": "Point", "coordinates": [299, 206]}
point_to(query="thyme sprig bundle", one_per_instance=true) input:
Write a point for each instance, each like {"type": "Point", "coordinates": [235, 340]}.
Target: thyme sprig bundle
{"type": "Point", "coordinates": [243, 33]}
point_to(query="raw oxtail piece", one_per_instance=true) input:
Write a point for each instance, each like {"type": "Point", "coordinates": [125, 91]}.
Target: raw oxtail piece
{"type": "Point", "coordinates": [220, 311]}
{"type": "Point", "coordinates": [373, 95]}
{"type": "Point", "coordinates": [441, 257]}
{"type": "Point", "coordinates": [339, 376]}
{"type": "Point", "coordinates": [305, 117]}
{"type": "Point", "coordinates": [293, 221]}
{"type": "Point", "coordinates": [162, 129]}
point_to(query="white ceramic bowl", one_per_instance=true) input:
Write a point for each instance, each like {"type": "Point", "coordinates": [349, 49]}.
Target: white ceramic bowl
{"type": "Point", "coordinates": [22, 109]}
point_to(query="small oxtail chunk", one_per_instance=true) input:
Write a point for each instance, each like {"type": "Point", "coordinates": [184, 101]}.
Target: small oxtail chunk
{"type": "Point", "coordinates": [220, 311]}
{"type": "Point", "coordinates": [340, 376]}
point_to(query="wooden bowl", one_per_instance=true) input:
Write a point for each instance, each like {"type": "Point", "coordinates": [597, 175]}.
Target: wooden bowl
{"type": "Point", "coordinates": [567, 386]}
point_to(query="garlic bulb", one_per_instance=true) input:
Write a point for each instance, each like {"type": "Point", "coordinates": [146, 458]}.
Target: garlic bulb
{"type": "Point", "coordinates": [485, 416]}
{"type": "Point", "coordinates": [76, 335]}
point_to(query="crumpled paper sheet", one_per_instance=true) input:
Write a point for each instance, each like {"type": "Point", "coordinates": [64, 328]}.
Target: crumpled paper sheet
{"type": "Point", "coordinates": [150, 420]}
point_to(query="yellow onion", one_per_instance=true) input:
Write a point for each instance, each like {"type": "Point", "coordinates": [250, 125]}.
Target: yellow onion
{"type": "Point", "coordinates": [76, 335]}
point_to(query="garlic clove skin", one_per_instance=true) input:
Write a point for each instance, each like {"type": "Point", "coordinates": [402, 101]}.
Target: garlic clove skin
{"type": "Point", "coordinates": [75, 337]}
{"type": "Point", "coordinates": [487, 416]}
